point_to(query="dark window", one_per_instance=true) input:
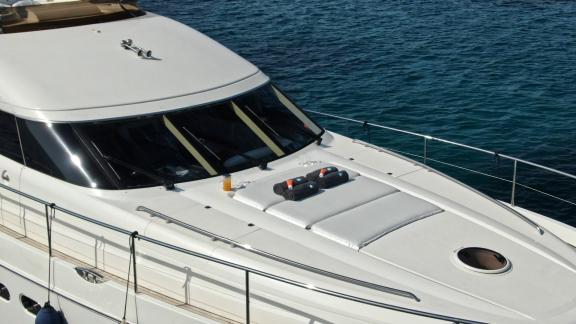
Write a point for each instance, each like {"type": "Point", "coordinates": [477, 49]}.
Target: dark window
{"type": "Point", "coordinates": [4, 293]}
{"type": "Point", "coordinates": [55, 149]}
{"type": "Point", "coordinates": [219, 129]}
{"type": "Point", "coordinates": [141, 151]}
{"type": "Point", "coordinates": [9, 143]}
{"type": "Point", "coordinates": [30, 305]}
{"type": "Point", "coordinates": [265, 107]}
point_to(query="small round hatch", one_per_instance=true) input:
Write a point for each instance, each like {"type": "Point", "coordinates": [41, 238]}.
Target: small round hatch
{"type": "Point", "coordinates": [482, 260]}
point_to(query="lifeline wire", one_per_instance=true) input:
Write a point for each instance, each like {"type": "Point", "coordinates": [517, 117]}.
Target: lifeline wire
{"type": "Point", "coordinates": [128, 280]}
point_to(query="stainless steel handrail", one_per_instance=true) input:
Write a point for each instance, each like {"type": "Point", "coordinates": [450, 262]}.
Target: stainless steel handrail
{"type": "Point", "coordinates": [309, 286]}
{"type": "Point", "coordinates": [429, 138]}
{"type": "Point", "coordinates": [432, 138]}
{"type": "Point", "coordinates": [247, 270]}
{"type": "Point", "coordinates": [274, 257]}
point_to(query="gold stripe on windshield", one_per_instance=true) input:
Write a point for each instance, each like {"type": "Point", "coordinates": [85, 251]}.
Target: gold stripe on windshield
{"type": "Point", "coordinates": [261, 135]}
{"type": "Point", "coordinates": [191, 149]}
{"type": "Point", "coordinates": [296, 111]}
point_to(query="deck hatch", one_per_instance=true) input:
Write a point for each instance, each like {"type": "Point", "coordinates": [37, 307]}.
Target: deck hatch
{"type": "Point", "coordinates": [482, 260]}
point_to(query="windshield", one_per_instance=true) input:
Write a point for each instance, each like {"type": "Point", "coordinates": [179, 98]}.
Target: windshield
{"type": "Point", "coordinates": [29, 15]}
{"type": "Point", "coordinates": [191, 144]}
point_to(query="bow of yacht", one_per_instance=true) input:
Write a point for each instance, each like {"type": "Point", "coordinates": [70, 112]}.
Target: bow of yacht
{"type": "Point", "coordinates": [120, 133]}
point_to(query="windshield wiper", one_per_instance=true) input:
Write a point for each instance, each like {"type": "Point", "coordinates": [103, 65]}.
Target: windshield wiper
{"type": "Point", "coordinates": [168, 184]}
{"type": "Point", "coordinates": [262, 164]}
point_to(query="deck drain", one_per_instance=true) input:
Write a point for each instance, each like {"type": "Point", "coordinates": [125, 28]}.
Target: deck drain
{"type": "Point", "coordinates": [482, 260]}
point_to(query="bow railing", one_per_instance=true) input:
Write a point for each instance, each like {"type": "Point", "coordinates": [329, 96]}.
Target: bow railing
{"type": "Point", "coordinates": [424, 156]}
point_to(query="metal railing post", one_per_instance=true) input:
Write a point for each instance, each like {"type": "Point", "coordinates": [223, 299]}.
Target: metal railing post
{"type": "Point", "coordinates": [425, 153]}
{"type": "Point", "coordinates": [49, 214]}
{"type": "Point", "coordinates": [513, 194]}
{"type": "Point", "coordinates": [366, 127]}
{"type": "Point", "coordinates": [247, 289]}
{"type": "Point", "coordinates": [49, 226]}
{"type": "Point", "coordinates": [133, 253]}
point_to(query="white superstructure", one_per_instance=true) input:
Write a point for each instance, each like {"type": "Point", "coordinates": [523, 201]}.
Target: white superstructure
{"type": "Point", "coordinates": [124, 141]}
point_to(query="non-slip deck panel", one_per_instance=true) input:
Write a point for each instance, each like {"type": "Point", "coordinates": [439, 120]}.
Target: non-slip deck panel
{"type": "Point", "coordinates": [329, 202]}
{"type": "Point", "coordinates": [259, 194]}
{"type": "Point", "coordinates": [362, 225]}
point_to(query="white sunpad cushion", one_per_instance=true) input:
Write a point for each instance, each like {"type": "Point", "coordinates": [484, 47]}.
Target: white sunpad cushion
{"type": "Point", "coordinates": [329, 202]}
{"type": "Point", "coordinates": [360, 226]}
{"type": "Point", "coordinates": [260, 194]}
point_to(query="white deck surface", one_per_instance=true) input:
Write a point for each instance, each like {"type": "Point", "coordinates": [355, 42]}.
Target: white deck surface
{"type": "Point", "coordinates": [396, 223]}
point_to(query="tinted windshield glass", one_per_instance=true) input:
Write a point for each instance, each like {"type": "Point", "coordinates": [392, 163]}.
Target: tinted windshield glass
{"type": "Point", "coordinates": [128, 146]}
{"type": "Point", "coordinates": [28, 15]}
{"type": "Point", "coordinates": [55, 149]}
{"type": "Point", "coordinates": [180, 146]}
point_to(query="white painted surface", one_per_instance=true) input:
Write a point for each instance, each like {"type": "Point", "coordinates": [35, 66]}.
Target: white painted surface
{"type": "Point", "coordinates": [93, 70]}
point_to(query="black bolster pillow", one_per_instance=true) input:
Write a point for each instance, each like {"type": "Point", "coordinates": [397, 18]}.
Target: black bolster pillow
{"type": "Point", "coordinates": [301, 191]}
{"type": "Point", "coordinates": [314, 175]}
{"type": "Point", "coordinates": [279, 188]}
{"type": "Point", "coordinates": [333, 179]}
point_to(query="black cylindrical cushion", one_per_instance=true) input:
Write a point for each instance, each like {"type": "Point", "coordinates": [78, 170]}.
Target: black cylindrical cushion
{"type": "Point", "coordinates": [314, 175]}
{"type": "Point", "coordinates": [279, 188]}
{"type": "Point", "coordinates": [333, 179]}
{"type": "Point", "coordinates": [301, 191]}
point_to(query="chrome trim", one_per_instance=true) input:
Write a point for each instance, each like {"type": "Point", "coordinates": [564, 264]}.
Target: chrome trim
{"type": "Point", "coordinates": [90, 275]}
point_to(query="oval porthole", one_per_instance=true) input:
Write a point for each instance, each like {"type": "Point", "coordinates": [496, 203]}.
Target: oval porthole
{"type": "Point", "coordinates": [4, 292]}
{"type": "Point", "coordinates": [482, 260]}
{"type": "Point", "coordinates": [30, 305]}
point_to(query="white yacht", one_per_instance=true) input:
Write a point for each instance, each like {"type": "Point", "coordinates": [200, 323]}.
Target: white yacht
{"type": "Point", "coordinates": [150, 175]}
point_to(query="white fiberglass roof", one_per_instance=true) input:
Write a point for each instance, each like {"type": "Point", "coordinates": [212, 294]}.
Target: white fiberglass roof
{"type": "Point", "coordinates": [83, 73]}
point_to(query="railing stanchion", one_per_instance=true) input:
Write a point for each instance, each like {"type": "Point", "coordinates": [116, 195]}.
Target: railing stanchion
{"type": "Point", "coordinates": [425, 153]}
{"type": "Point", "coordinates": [247, 289]}
{"type": "Point", "coordinates": [49, 226]}
{"type": "Point", "coordinates": [133, 253]}
{"type": "Point", "coordinates": [513, 195]}
{"type": "Point", "coordinates": [366, 127]}
{"type": "Point", "coordinates": [49, 215]}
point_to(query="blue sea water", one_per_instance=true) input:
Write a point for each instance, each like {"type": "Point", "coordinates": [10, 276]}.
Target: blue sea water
{"type": "Point", "coordinates": [499, 74]}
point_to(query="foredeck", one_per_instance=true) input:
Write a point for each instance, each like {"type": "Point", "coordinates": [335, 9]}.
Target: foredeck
{"type": "Point", "coordinates": [501, 176]}
{"type": "Point", "coordinates": [249, 272]}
